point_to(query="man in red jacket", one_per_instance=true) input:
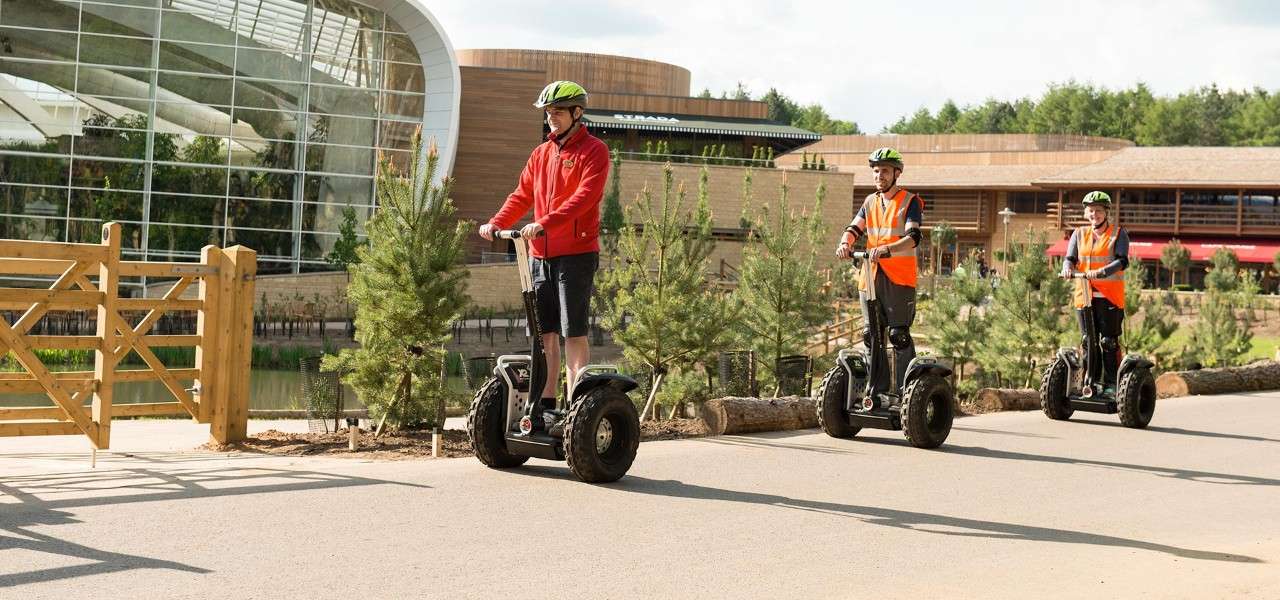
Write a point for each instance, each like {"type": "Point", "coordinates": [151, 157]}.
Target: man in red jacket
{"type": "Point", "coordinates": [563, 182]}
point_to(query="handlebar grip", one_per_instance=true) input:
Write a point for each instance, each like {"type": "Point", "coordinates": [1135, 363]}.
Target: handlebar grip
{"type": "Point", "coordinates": [513, 234]}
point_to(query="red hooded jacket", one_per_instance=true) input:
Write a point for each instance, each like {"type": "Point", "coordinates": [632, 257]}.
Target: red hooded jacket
{"type": "Point", "coordinates": [564, 184]}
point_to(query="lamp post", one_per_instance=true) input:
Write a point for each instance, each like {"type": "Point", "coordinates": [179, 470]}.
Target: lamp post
{"type": "Point", "coordinates": [1006, 215]}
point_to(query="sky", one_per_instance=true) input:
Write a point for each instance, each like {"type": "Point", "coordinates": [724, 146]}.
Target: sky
{"type": "Point", "coordinates": [875, 62]}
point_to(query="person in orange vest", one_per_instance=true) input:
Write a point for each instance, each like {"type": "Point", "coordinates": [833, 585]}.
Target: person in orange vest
{"type": "Point", "coordinates": [890, 219]}
{"type": "Point", "coordinates": [1100, 250]}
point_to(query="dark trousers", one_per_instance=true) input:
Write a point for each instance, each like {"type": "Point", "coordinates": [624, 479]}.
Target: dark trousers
{"type": "Point", "coordinates": [897, 309]}
{"type": "Point", "coordinates": [1102, 320]}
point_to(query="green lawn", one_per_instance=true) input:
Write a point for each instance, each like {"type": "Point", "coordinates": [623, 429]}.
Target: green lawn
{"type": "Point", "coordinates": [1262, 346]}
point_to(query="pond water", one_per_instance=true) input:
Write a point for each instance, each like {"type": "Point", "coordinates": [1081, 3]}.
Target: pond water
{"type": "Point", "coordinates": [273, 390]}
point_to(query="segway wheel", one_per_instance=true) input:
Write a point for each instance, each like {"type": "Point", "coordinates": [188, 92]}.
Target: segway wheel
{"type": "Point", "coordinates": [1053, 392]}
{"type": "Point", "coordinates": [831, 404]}
{"type": "Point", "coordinates": [1136, 397]}
{"type": "Point", "coordinates": [602, 433]}
{"type": "Point", "coordinates": [927, 411]}
{"type": "Point", "coordinates": [486, 426]}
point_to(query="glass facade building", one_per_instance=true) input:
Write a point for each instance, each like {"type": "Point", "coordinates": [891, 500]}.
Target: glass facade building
{"type": "Point", "coordinates": [196, 122]}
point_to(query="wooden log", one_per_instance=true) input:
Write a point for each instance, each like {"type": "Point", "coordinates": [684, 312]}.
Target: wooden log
{"type": "Point", "coordinates": [998, 399]}
{"type": "Point", "coordinates": [1258, 376]}
{"type": "Point", "coordinates": [746, 415]}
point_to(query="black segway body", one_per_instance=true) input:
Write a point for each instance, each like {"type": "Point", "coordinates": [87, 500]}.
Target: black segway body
{"type": "Point", "coordinates": [922, 410]}
{"type": "Point", "coordinates": [597, 432]}
{"type": "Point", "coordinates": [1064, 391]}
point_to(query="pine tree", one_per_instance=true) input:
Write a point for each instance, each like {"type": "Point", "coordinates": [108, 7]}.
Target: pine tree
{"type": "Point", "coordinates": [804, 161]}
{"type": "Point", "coordinates": [940, 238]}
{"type": "Point", "coordinates": [822, 163]}
{"type": "Point", "coordinates": [1218, 338]}
{"type": "Point", "coordinates": [611, 216]}
{"type": "Point", "coordinates": [744, 219]}
{"type": "Point", "coordinates": [782, 295]}
{"type": "Point", "coordinates": [709, 335]}
{"type": "Point", "coordinates": [1148, 322]}
{"type": "Point", "coordinates": [344, 249]}
{"type": "Point", "coordinates": [956, 321]}
{"type": "Point", "coordinates": [1223, 276]}
{"type": "Point", "coordinates": [408, 288]}
{"type": "Point", "coordinates": [1175, 257]}
{"type": "Point", "coordinates": [1029, 316]}
{"type": "Point", "coordinates": [346, 253]}
{"type": "Point", "coordinates": [656, 298]}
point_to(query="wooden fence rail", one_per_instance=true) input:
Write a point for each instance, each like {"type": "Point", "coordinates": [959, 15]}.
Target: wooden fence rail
{"type": "Point", "coordinates": [83, 399]}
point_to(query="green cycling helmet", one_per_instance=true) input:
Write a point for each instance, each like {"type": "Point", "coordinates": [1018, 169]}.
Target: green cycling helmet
{"type": "Point", "coordinates": [1097, 199]}
{"type": "Point", "coordinates": [886, 156]}
{"type": "Point", "coordinates": [562, 94]}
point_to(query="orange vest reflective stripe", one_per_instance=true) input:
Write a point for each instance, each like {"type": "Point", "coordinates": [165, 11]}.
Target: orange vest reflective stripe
{"type": "Point", "coordinates": [1097, 250]}
{"type": "Point", "coordinates": [886, 224]}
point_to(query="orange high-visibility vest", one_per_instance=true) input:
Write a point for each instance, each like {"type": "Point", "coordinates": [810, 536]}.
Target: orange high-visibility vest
{"type": "Point", "coordinates": [886, 224]}
{"type": "Point", "coordinates": [1097, 249]}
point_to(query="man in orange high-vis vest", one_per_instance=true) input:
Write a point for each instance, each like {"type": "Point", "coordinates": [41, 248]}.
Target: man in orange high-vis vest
{"type": "Point", "coordinates": [890, 219]}
{"type": "Point", "coordinates": [1100, 250]}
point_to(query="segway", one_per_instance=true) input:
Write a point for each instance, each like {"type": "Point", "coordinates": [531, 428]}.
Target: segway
{"type": "Point", "coordinates": [1066, 387]}
{"type": "Point", "coordinates": [597, 430]}
{"type": "Point", "coordinates": [922, 410]}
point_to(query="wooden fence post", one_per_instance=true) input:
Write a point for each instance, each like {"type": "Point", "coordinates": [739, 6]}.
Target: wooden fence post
{"type": "Point", "coordinates": [104, 358]}
{"type": "Point", "coordinates": [239, 266]}
{"type": "Point", "coordinates": [209, 327]}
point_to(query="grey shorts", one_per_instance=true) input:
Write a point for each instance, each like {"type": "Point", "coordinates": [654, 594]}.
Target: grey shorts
{"type": "Point", "coordinates": [564, 285]}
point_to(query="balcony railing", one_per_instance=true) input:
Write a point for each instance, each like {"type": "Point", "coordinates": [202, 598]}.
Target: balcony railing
{"type": "Point", "coordinates": [1167, 218]}
{"type": "Point", "coordinates": [728, 161]}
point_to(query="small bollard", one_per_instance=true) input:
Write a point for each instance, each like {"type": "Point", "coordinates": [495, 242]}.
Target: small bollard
{"type": "Point", "coordinates": [435, 442]}
{"type": "Point", "coordinates": [353, 432]}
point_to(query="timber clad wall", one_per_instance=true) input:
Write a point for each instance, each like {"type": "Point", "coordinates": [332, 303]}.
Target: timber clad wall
{"type": "Point", "coordinates": [617, 74]}
{"type": "Point", "coordinates": [489, 285]}
{"type": "Point", "coordinates": [679, 105]}
{"type": "Point", "coordinates": [724, 185]}
{"type": "Point", "coordinates": [498, 128]}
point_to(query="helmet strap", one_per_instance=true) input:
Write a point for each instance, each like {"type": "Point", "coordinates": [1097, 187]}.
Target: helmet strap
{"type": "Point", "coordinates": [893, 184]}
{"type": "Point", "coordinates": [573, 126]}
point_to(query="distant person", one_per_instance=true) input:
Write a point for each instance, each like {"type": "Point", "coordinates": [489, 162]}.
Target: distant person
{"type": "Point", "coordinates": [563, 182]}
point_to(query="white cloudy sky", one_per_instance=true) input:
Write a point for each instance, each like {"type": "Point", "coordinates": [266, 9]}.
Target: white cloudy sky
{"type": "Point", "coordinates": [873, 62]}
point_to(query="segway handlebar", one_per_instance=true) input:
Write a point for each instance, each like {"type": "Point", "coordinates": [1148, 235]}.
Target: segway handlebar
{"type": "Point", "coordinates": [512, 234]}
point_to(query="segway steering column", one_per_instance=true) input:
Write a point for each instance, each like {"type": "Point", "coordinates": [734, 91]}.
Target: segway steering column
{"type": "Point", "coordinates": [537, 370]}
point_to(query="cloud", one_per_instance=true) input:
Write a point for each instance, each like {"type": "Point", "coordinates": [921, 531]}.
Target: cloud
{"type": "Point", "coordinates": [873, 62]}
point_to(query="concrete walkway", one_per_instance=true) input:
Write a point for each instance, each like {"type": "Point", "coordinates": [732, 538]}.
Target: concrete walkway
{"type": "Point", "coordinates": [1014, 506]}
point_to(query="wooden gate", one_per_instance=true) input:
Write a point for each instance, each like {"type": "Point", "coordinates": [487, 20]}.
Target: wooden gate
{"type": "Point", "coordinates": [82, 399]}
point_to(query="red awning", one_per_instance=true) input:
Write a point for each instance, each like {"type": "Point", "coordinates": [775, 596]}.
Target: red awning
{"type": "Point", "coordinates": [1149, 248]}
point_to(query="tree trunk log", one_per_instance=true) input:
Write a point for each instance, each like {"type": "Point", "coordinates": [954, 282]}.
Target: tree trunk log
{"type": "Point", "coordinates": [747, 415]}
{"type": "Point", "coordinates": [998, 399]}
{"type": "Point", "coordinates": [1261, 375]}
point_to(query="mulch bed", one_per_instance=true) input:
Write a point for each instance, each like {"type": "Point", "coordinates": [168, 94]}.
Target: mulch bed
{"type": "Point", "coordinates": [399, 445]}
